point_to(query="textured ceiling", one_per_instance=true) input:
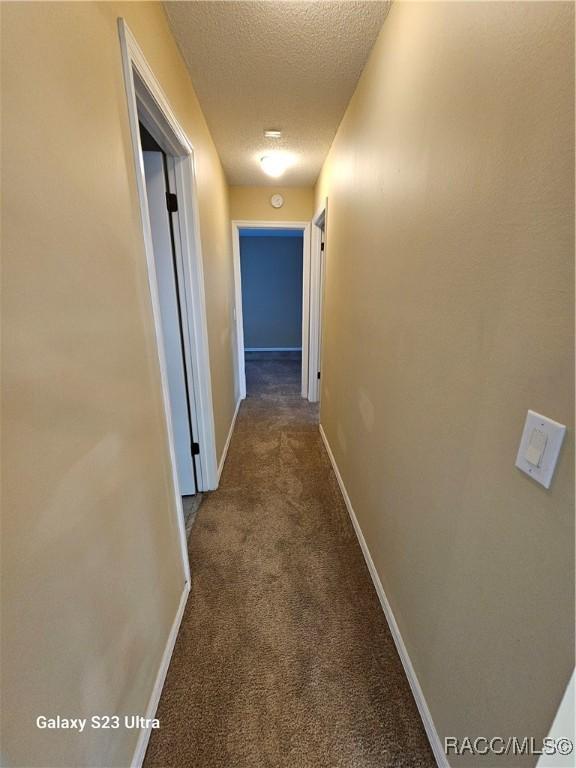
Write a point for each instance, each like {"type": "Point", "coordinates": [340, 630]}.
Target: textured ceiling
{"type": "Point", "coordinates": [274, 64]}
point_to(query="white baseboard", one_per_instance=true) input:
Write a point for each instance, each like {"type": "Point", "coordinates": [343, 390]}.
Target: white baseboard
{"type": "Point", "coordinates": [227, 444]}
{"type": "Point", "coordinates": [272, 349]}
{"type": "Point", "coordinates": [431, 732]}
{"type": "Point", "coordinates": [144, 736]}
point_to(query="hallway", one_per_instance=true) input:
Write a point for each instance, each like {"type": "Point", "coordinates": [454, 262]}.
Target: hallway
{"type": "Point", "coordinates": [288, 435]}
{"type": "Point", "coordinates": [284, 657]}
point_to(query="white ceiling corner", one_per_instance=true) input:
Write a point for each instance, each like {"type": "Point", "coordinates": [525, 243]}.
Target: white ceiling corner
{"type": "Point", "coordinates": [274, 64]}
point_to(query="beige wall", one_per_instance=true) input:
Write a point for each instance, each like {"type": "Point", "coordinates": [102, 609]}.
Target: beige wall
{"type": "Point", "coordinates": [91, 573]}
{"type": "Point", "coordinates": [449, 313]}
{"type": "Point", "coordinates": [253, 204]}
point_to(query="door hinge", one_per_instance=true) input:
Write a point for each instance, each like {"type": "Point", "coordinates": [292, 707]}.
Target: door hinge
{"type": "Point", "coordinates": [171, 202]}
{"type": "Point", "coordinates": [321, 246]}
{"type": "Point", "coordinates": [195, 449]}
{"type": "Point", "coordinates": [318, 374]}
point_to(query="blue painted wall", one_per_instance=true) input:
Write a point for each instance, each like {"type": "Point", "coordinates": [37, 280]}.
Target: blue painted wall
{"type": "Point", "coordinates": [271, 269]}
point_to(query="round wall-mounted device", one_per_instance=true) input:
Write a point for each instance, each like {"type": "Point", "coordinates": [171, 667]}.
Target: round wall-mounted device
{"type": "Point", "coordinates": [276, 201]}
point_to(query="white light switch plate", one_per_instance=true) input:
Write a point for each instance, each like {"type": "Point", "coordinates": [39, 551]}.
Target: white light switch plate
{"type": "Point", "coordinates": [539, 447]}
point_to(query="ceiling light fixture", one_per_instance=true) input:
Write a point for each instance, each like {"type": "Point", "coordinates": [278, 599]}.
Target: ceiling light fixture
{"type": "Point", "coordinates": [271, 133]}
{"type": "Point", "coordinates": [274, 165]}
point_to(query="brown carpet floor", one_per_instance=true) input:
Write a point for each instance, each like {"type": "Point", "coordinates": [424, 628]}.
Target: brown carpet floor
{"type": "Point", "coordinates": [284, 658]}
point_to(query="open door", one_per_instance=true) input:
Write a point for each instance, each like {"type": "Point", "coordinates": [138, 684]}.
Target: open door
{"type": "Point", "coordinates": [171, 315]}
{"type": "Point", "coordinates": [317, 279]}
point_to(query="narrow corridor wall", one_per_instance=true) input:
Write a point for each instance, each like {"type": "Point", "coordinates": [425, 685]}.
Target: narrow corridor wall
{"type": "Point", "coordinates": [91, 568]}
{"type": "Point", "coordinates": [449, 313]}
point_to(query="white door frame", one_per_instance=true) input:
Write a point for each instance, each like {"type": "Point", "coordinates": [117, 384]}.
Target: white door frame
{"type": "Point", "coordinates": [236, 227]}
{"type": "Point", "coordinates": [148, 104]}
{"type": "Point", "coordinates": [317, 273]}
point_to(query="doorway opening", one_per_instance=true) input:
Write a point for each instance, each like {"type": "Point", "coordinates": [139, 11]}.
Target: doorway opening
{"type": "Point", "coordinates": [272, 292]}
{"type": "Point", "coordinates": [166, 182]}
{"type": "Point", "coordinates": [271, 269]}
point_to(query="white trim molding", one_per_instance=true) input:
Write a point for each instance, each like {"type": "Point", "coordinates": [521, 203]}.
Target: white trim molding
{"type": "Point", "coordinates": [423, 709]}
{"type": "Point", "coordinates": [304, 226]}
{"type": "Point", "coordinates": [144, 735]}
{"type": "Point", "coordinates": [228, 439]}
{"type": "Point", "coordinates": [148, 104]}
